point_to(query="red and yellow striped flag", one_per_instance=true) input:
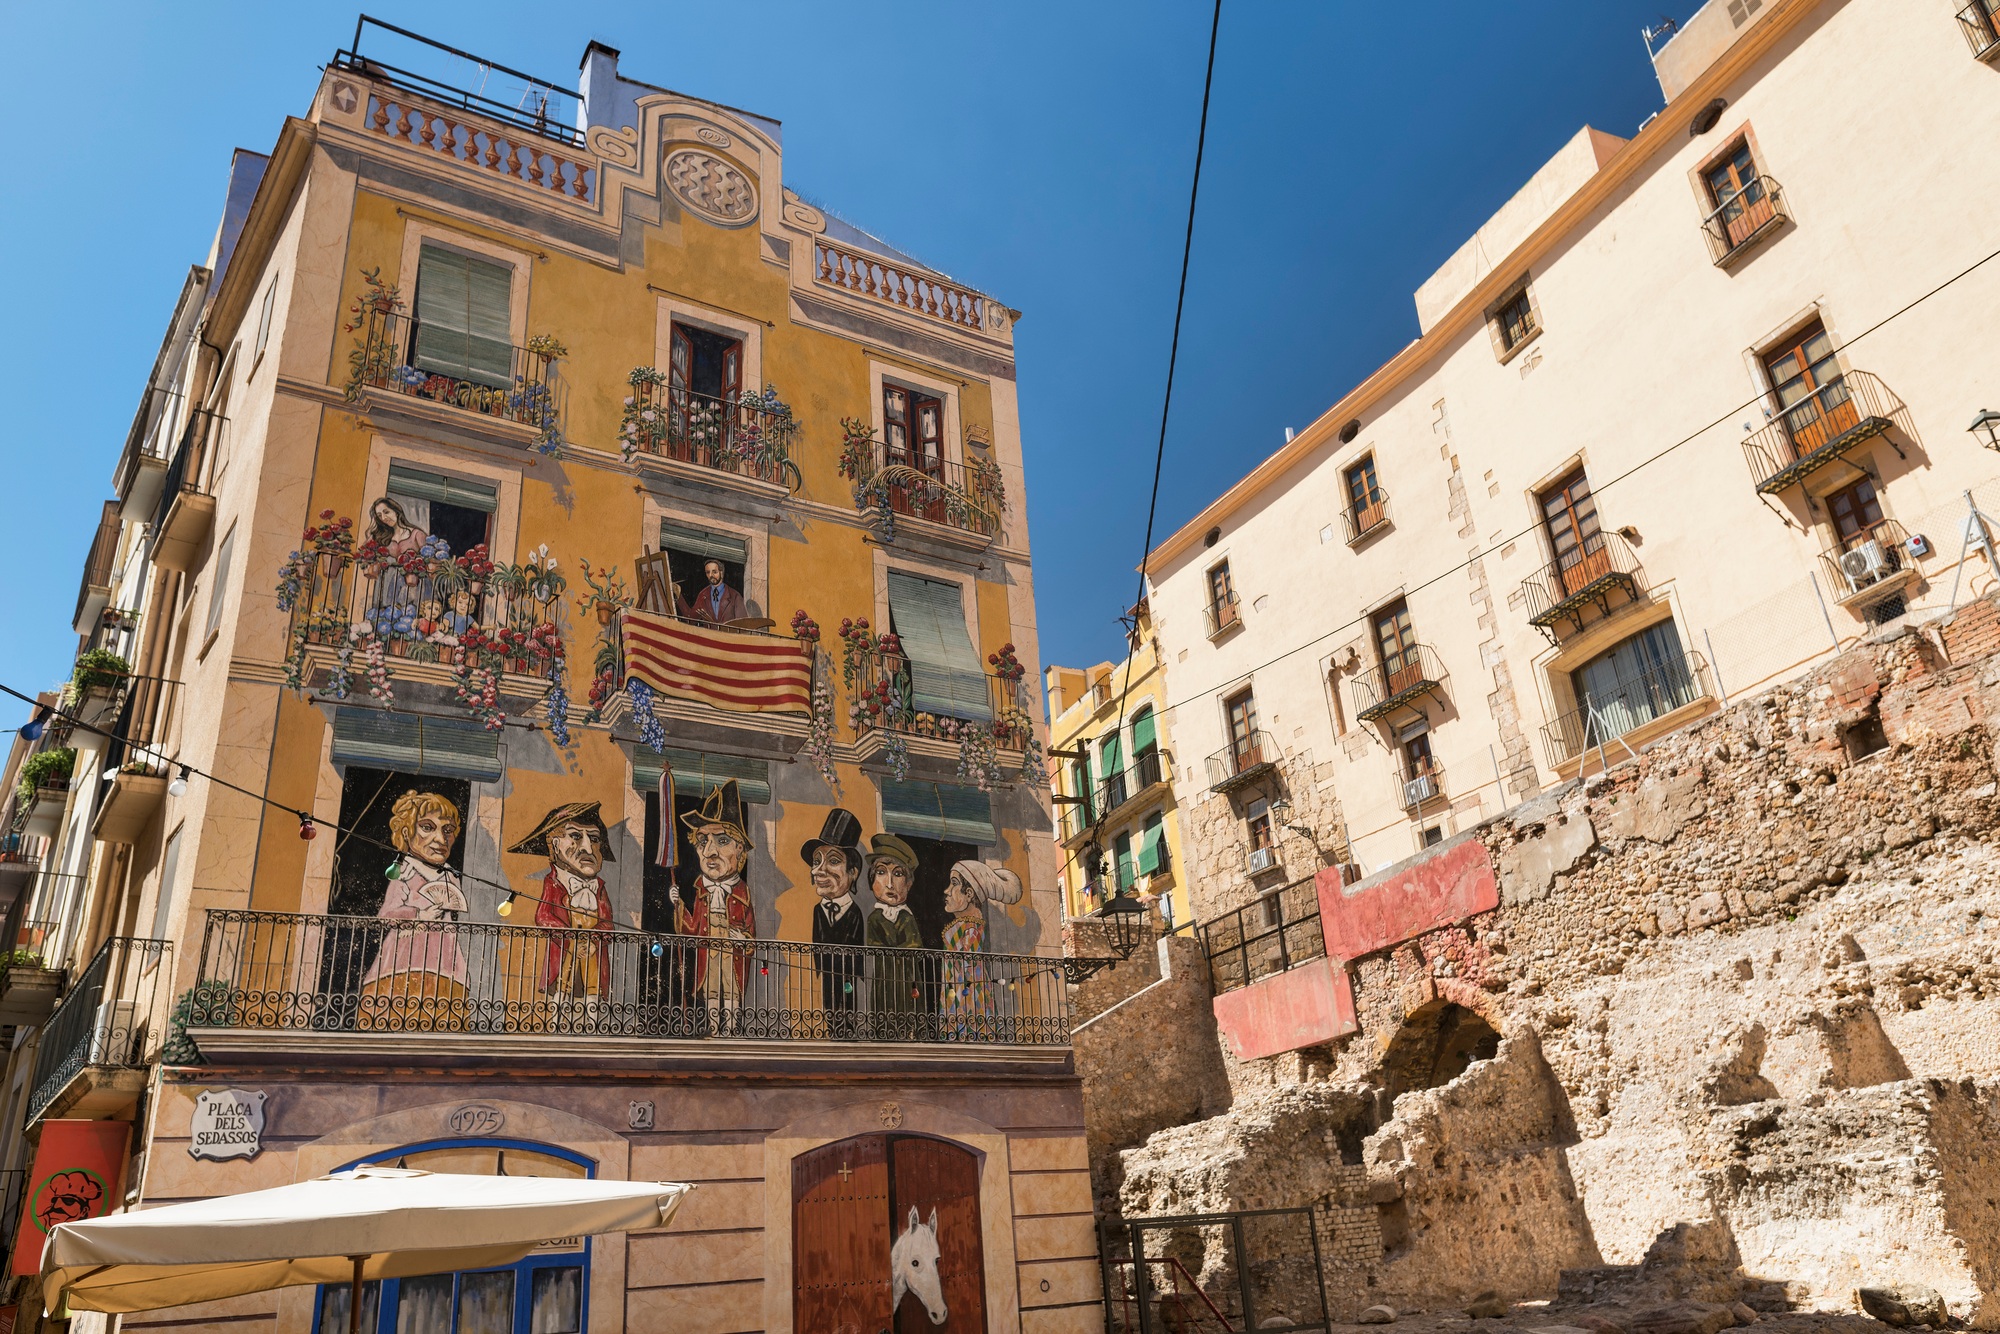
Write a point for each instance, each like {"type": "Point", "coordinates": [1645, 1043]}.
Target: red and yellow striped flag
{"type": "Point", "coordinates": [738, 670]}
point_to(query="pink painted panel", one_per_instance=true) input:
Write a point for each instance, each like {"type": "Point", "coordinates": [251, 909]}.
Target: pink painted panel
{"type": "Point", "coordinates": [1435, 892]}
{"type": "Point", "coordinates": [1302, 1007]}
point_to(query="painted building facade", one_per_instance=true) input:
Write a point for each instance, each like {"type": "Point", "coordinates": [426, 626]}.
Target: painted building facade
{"type": "Point", "coordinates": [588, 588]}
{"type": "Point", "coordinates": [1669, 435]}
{"type": "Point", "coordinates": [1112, 779]}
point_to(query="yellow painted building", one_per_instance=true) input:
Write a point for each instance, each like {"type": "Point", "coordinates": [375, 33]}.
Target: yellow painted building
{"type": "Point", "coordinates": [1113, 780]}
{"type": "Point", "coordinates": [549, 556]}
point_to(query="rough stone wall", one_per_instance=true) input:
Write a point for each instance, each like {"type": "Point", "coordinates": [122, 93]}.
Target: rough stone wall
{"type": "Point", "coordinates": [1760, 965]}
{"type": "Point", "coordinates": [1135, 1084]}
{"type": "Point", "coordinates": [1215, 833]}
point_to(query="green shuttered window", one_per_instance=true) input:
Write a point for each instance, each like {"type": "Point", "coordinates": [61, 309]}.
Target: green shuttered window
{"type": "Point", "coordinates": [697, 774]}
{"type": "Point", "coordinates": [938, 810]}
{"type": "Point", "coordinates": [945, 675]}
{"type": "Point", "coordinates": [462, 326]}
{"type": "Point", "coordinates": [413, 744]}
{"type": "Point", "coordinates": [1152, 843]}
{"type": "Point", "coordinates": [1145, 733]}
{"type": "Point", "coordinates": [703, 542]}
{"type": "Point", "coordinates": [418, 484]}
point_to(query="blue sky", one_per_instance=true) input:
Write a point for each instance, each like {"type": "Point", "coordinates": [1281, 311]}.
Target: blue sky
{"type": "Point", "coordinates": [1039, 151]}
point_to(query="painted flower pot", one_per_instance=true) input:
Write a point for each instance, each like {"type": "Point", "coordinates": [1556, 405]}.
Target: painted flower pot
{"type": "Point", "coordinates": [606, 611]}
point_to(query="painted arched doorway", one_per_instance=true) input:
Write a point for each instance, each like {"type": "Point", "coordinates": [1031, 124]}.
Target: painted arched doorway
{"type": "Point", "coordinates": [851, 1205]}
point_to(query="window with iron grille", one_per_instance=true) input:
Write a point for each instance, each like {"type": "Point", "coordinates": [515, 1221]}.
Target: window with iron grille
{"type": "Point", "coordinates": [1515, 320]}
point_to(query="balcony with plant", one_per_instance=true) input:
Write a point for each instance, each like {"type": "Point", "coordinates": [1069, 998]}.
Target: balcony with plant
{"type": "Point", "coordinates": [747, 435]}
{"type": "Point", "coordinates": [891, 485]}
{"type": "Point", "coordinates": [980, 723]}
{"type": "Point", "coordinates": [365, 615]}
{"type": "Point", "coordinates": [517, 393]}
{"type": "Point", "coordinates": [95, 683]}
{"type": "Point", "coordinates": [43, 790]}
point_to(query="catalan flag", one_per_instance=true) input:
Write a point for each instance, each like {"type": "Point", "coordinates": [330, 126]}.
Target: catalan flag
{"type": "Point", "coordinates": [738, 670]}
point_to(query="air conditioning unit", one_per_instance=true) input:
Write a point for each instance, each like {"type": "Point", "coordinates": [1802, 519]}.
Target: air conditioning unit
{"type": "Point", "coordinates": [1418, 790]}
{"type": "Point", "coordinates": [1262, 859]}
{"type": "Point", "coordinates": [1864, 565]}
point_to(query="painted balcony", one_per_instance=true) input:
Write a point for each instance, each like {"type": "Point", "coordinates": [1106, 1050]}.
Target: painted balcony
{"type": "Point", "coordinates": [913, 291]}
{"type": "Point", "coordinates": [99, 1043]}
{"type": "Point", "coordinates": [935, 718]}
{"type": "Point", "coordinates": [959, 503]}
{"type": "Point", "coordinates": [1599, 572]}
{"type": "Point", "coordinates": [1398, 681]}
{"type": "Point", "coordinates": [696, 436]}
{"type": "Point", "coordinates": [359, 987]}
{"type": "Point", "coordinates": [186, 509]}
{"type": "Point", "coordinates": [1743, 221]}
{"type": "Point", "coordinates": [1821, 428]}
{"type": "Point", "coordinates": [489, 392]}
{"type": "Point", "coordinates": [1637, 710]}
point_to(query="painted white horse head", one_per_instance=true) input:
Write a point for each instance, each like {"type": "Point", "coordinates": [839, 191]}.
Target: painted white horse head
{"type": "Point", "coordinates": [913, 1267]}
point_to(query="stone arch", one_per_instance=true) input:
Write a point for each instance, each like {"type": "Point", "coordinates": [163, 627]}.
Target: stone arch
{"type": "Point", "coordinates": [1434, 1045]}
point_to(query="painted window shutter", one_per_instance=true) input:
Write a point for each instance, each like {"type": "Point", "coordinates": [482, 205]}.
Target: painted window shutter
{"type": "Point", "coordinates": [952, 811]}
{"type": "Point", "coordinates": [421, 485]}
{"type": "Point", "coordinates": [945, 676]}
{"type": "Point", "coordinates": [463, 328]}
{"type": "Point", "coordinates": [415, 744]}
{"type": "Point", "coordinates": [703, 542]}
{"type": "Point", "coordinates": [697, 774]}
{"type": "Point", "coordinates": [1145, 733]}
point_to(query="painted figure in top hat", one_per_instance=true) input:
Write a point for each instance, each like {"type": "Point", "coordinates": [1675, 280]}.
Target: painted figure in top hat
{"type": "Point", "coordinates": [573, 837]}
{"type": "Point", "coordinates": [834, 861]}
{"type": "Point", "coordinates": [892, 873]}
{"type": "Point", "coordinates": [721, 909]}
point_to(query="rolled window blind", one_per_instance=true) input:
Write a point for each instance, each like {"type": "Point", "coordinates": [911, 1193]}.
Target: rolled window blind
{"type": "Point", "coordinates": [462, 325]}
{"type": "Point", "coordinates": [945, 675]}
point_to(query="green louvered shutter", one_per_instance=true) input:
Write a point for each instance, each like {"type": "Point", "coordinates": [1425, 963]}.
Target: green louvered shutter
{"type": "Point", "coordinates": [1122, 851]}
{"type": "Point", "coordinates": [697, 774]}
{"type": "Point", "coordinates": [1152, 837]}
{"type": "Point", "coordinates": [1111, 758]}
{"type": "Point", "coordinates": [951, 811]}
{"type": "Point", "coordinates": [418, 484]}
{"type": "Point", "coordinates": [945, 675]}
{"type": "Point", "coordinates": [1145, 733]}
{"type": "Point", "coordinates": [462, 326]}
{"type": "Point", "coordinates": [414, 744]}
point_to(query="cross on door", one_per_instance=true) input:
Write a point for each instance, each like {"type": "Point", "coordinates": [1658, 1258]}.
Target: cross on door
{"type": "Point", "coordinates": [845, 1171]}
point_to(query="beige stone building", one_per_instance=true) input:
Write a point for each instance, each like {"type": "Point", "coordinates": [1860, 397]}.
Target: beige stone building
{"type": "Point", "coordinates": [1673, 432]}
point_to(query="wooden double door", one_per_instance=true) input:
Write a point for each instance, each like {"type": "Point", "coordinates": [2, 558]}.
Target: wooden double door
{"type": "Point", "coordinates": [851, 1201]}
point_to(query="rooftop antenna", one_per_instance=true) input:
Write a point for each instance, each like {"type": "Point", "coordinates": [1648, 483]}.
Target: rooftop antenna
{"type": "Point", "coordinates": [1665, 28]}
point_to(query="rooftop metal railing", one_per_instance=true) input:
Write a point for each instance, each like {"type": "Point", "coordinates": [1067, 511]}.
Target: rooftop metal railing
{"type": "Point", "coordinates": [1272, 933]}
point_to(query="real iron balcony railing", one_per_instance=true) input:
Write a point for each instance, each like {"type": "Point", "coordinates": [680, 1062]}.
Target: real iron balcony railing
{"type": "Point", "coordinates": [1980, 22]}
{"type": "Point", "coordinates": [1366, 516]}
{"type": "Point", "coordinates": [938, 490]}
{"type": "Point", "coordinates": [1419, 783]}
{"type": "Point", "coordinates": [1400, 679]}
{"type": "Point", "coordinates": [151, 435]}
{"type": "Point", "coordinates": [1745, 217]}
{"type": "Point", "coordinates": [1819, 429]}
{"type": "Point", "coordinates": [1586, 575]}
{"type": "Point", "coordinates": [94, 591]}
{"type": "Point", "coordinates": [1224, 613]}
{"type": "Point", "coordinates": [1870, 558]}
{"type": "Point", "coordinates": [1114, 790]}
{"type": "Point", "coordinates": [1244, 759]}
{"type": "Point", "coordinates": [1274, 932]}
{"type": "Point", "coordinates": [113, 1016]}
{"type": "Point", "coordinates": [886, 701]}
{"type": "Point", "coordinates": [1601, 719]}
{"type": "Point", "coordinates": [535, 118]}
{"type": "Point", "coordinates": [287, 972]}
{"type": "Point", "coordinates": [146, 711]}
{"type": "Point", "coordinates": [731, 434]}
{"type": "Point", "coordinates": [509, 384]}
{"type": "Point", "coordinates": [186, 470]}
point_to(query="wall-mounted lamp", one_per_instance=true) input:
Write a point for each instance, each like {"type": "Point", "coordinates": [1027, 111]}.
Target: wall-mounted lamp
{"type": "Point", "coordinates": [1985, 428]}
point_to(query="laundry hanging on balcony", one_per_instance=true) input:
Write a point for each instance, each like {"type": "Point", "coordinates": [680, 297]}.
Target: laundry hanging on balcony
{"type": "Point", "coordinates": [741, 671]}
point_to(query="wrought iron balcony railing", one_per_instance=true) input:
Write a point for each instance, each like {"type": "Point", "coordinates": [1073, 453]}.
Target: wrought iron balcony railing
{"type": "Point", "coordinates": [1589, 574]}
{"type": "Point", "coordinates": [968, 497]}
{"type": "Point", "coordinates": [1144, 772]}
{"type": "Point", "coordinates": [1277, 931]}
{"type": "Point", "coordinates": [1368, 517]}
{"type": "Point", "coordinates": [186, 470]}
{"type": "Point", "coordinates": [1224, 613]}
{"type": "Point", "coordinates": [489, 379]}
{"type": "Point", "coordinates": [114, 1016]}
{"type": "Point", "coordinates": [1860, 566]}
{"type": "Point", "coordinates": [886, 701]}
{"type": "Point", "coordinates": [93, 594]}
{"type": "Point", "coordinates": [1980, 22]}
{"type": "Point", "coordinates": [1601, 720]}
{"type": "Point", "coordinates": [1400, 679]}
{"type": "Point", "coordinates": [747, 436]}
{"type": "Point", "coordinates": [1821, 427]}
{"type": "Point", "coordinates": [1743, 219]}
{"type": "Point", "coordinates": [1419, 784]}
{"type": "Point", "coordinates": [1241, 761]}
{"type": "Point", "coordinates": [287, 972]}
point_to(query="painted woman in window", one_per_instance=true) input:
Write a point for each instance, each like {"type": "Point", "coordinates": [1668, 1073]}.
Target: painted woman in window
{"type": "Point", "coordinates": [418, 978]}
{"type": "Point", "coordinates": [968, 987]}
{"type": "Point", "coordinates": [399, 594]}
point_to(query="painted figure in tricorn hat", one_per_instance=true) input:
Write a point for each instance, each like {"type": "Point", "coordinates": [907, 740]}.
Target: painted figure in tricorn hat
{"type": "Point", "coordinates": [834, 862]}
{"type": "Point", "coordinates": [573, 837]}
{"type": "Point", "coordinates": [721, 909]}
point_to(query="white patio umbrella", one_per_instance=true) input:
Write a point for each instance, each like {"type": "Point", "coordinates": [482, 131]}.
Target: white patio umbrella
{"type": "Point", "coordinates": [368, 1223]}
